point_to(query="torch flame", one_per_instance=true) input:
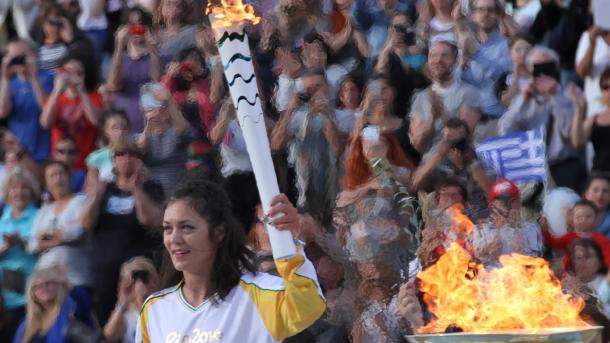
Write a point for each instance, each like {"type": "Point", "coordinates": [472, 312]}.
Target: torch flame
{"type": "Point", "coordinates": [231, 12]}
{"type": "Point", "coordinates": [522, 294]}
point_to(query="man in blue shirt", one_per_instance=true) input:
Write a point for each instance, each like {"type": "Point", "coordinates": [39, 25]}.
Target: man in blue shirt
{"type": "Point", "coordinates": [22, 91]}
{"type": "Point", "coordinates": [486, 58]}
{"type": "Point", "coordinates": [373, 17]}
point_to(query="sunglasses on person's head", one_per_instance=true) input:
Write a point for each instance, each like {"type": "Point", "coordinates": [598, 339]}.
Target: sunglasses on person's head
{"type": "Point", "coordinates": [66, 151]}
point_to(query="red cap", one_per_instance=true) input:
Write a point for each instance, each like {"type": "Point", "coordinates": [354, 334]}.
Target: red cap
{"type": "Point", "coordinates": [503, 187]}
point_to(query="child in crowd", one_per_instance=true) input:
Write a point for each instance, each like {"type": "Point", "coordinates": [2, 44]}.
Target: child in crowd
{"type": "Point", "coordinates": [598, 192]}
{"type": "Point", "coordinates": [584, 219]}
{"type": "Point", "coordinates": [115, 125]}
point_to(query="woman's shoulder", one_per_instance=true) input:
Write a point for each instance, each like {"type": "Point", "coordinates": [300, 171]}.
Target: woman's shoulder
{"type": "Point", "coordinates": [153, 298]}
{"type": "Point", "coordinates": [98, 157]}
{"type": "Point", "coordinates": [79, 199]}
{"type": "Point", "coordinates": [262, 281]}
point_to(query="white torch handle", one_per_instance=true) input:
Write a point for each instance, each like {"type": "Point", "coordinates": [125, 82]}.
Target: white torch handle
{"type": "Point", "coordinates": [239, 71]}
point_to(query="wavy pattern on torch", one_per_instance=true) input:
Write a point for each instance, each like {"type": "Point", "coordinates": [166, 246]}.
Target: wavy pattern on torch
{"type": "Point", "coordinates": [231, 37]}
{"type": "Point", "coordinates": [253, 118]}
{"type": "Point", "coordinates": [237, 56]}
{"type": "Point", "coordinates": [243, 97]}
{"type": "Point", "coordinates": [239, 76]}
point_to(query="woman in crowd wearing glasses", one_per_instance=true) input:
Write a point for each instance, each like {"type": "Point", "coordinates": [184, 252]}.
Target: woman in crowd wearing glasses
{"type": "Point", "coordinates": [57, 312]}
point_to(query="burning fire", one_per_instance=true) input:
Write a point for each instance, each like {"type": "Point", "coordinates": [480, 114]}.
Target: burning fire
{"type": "Point", "coordinates": [522, 294]}
{"type": "Point", "coordinates": [230, 13]}
{"type": "Point", "coordinates": [460, 227]}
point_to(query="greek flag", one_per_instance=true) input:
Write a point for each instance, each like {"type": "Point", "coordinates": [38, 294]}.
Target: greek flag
{"type": "Point", "coordinates": [519, 156]}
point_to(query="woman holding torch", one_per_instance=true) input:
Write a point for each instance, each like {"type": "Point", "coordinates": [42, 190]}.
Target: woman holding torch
{"type": "Point", "coordinates": [216, 293]}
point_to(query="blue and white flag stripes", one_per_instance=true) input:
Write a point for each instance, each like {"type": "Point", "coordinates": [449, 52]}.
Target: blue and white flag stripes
{"type": "Point", "coordinates": [518, 157]}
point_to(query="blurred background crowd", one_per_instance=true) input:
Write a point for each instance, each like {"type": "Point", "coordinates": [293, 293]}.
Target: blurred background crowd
{"type": "Point", "coordinates": [374, 109]}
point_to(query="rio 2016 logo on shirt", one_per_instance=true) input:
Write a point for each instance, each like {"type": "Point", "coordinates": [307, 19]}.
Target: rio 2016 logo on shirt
{"type": "Point", "coordinates": [197, 336]}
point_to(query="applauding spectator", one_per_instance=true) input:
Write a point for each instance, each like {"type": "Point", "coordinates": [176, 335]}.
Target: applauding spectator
{"type": "Point", "coordinates": [57, 235]}
{"type": "Point", "coordinates": [486, 58]}
{"type": "Point", "coordinates": [22, 91]}
{"type": "Point", "coordinates": [135, 61]}
{"type": "Point", "coordinates": [544, 103]}
{"type": "Point", "coordinates": [592, 58]}
{"type": "Point", "coordinates": [16, 264]}
{"type": "Point", "coordinates": [73, 108]}
{"type": "Point", "coordinates": [166, 136]}
{"type": "Point", "coordinates": [119, 215]}
{"type": "Point", "coordinates": [53, 306]}
{"type": "Point", "coordinates": [595, 128]}
{"type": "Point", "coordinates": [138, 278]}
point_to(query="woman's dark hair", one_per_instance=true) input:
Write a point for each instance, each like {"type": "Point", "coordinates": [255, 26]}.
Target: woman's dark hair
{"type": "Point", "coordinates": [159, 21]}
{"type": "Point", "coordinates": [521, 36]}
{"type": "Point", "coordinates": [147, 19]}
{"type": "Point", "coordinates": [51, 9]}
{"type": "Point", "coordinates": [90, 69]}
{"type": "Point", "coordinates": [452, 182]}
{"type": "Point", "coordinates": [232, 258]}
{"type": "Point", "coordinates": [587, 243]}
{"type": "Point", "coordinates": [109, 114]}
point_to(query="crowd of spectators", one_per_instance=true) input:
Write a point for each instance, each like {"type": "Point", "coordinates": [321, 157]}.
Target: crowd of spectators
{"type": "Point", "coordinates": [373, 111]}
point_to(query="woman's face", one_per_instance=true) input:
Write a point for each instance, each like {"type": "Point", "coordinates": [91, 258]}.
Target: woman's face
{"type": "Point", "coordinates": [442, 5]}
{"type": "Point", "coordinates": [74, 72]}
{"type": "Point", "coordinates": [172, 9]}
{"type": "Point", "coordinates": [349, 95]}
{"type": "Point", "coordinates": [518, 52]}
{"type": "Point", "coordinates": [186, 236]}
{"type": "Point", "coordinates": [45, 290]}
{"type": "Point", "coordinates": [157, 119]}
{"type": "Point", "coordinates": [57, 180]}
{"type": "Point", "coordinates": [343, 5]}
{"type": "Point", "coordinates": [51, 28]}
{"type": "Point", "coordinates": [387, 93]}
{"type": "Point", "coordinates": [115, 128]}
{"type": "Point", "coordinates": [19, 194]}
{"type": "Point", "coordinates": [586, 263]}
{"type": "Point", "coordinates": [125, 163]}
{"type": "Point", "coordinates": [374, 150]}
{"type": "Point", "coordinates": [599, 193]}
{"type": "Point", "coordinates": [314, 55]}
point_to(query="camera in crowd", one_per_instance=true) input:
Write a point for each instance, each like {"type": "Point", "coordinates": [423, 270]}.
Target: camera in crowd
{"type": "Point", "coordinates": [141, 275]}
{"type": "Point", "coordinates": [547, 69]}
{"type": "Point", "coordinates": [18, 60]}
{"type": "Point", "coordinates": [407, 34]}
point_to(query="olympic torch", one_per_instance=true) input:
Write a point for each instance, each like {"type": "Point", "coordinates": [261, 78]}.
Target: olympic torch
{"type": "Point", "coordinates": [228, 25]}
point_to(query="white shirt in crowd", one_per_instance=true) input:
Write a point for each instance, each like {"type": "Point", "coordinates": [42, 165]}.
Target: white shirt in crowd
{"type": "Point", "coordinates": [86, 20]}
{"type": "Point", "coordinates": [74, 253]}
{"type": "Point", "coordinates": [601, 61]}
